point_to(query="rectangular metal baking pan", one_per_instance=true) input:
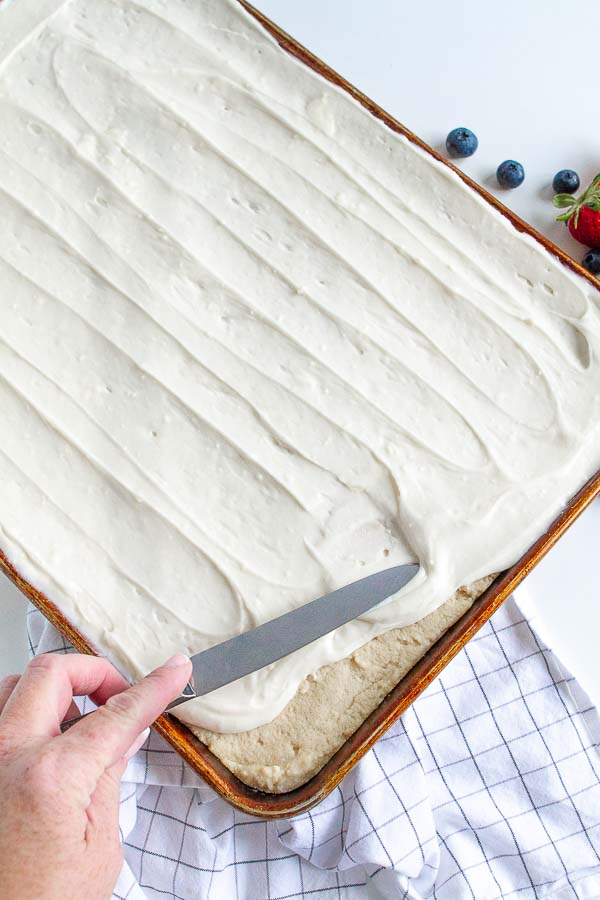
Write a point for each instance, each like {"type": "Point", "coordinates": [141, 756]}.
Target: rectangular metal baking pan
{"type": "Point", "coordinates": [303, 798]}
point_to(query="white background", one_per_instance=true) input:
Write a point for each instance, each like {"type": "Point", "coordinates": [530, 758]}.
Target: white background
{"type": "Point", "coordinates": [523, 77]}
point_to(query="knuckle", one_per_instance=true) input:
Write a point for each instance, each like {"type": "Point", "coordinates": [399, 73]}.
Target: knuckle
{"type": "Point", "coordinates": [120, 706]}
{"type": "Point", "coordinates": [48, 662]}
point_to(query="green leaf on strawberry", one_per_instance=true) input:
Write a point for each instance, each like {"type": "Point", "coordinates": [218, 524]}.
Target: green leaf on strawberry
{"type": "Point", "coordinates": [582, 214]}
{"type": "Point", "coordinates": [562, 200]}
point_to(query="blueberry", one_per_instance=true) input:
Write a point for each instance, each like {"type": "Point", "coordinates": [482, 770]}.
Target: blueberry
{"type": "Point", "coordinates": [565, 182]}
{"type": "Point", "coordinates": [510, 174]}
{"type": "Point", "coordinates": [461, 142]}
{"type": "Point", "coordinates": [591, 261]}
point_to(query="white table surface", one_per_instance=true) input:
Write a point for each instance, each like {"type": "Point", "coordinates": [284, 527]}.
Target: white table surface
{"type": "Point", "coordinates": [513, 74]}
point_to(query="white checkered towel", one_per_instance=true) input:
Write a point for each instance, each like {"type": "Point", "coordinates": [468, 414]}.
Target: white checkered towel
{"type": "Point", "coordinates": [488, 787]}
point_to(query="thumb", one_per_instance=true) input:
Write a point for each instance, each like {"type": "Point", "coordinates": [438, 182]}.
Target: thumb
{"type": "Point", "coordinates": [113, 728]}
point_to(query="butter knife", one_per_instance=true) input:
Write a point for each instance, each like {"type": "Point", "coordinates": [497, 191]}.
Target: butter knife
{"type": "Point", "coordinates": [265, 644]}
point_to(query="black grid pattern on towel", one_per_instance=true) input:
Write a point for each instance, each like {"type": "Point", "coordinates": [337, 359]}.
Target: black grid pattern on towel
{"type": "Point", "coordinates": [488, 787]}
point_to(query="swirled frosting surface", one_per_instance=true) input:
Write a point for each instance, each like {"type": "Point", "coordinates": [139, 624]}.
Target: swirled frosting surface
{"type": "Point", "coordinates": [255, 346]}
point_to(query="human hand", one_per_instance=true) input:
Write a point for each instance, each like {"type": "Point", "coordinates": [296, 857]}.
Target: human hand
{"type": "Point", "coordinates": [59, 793]}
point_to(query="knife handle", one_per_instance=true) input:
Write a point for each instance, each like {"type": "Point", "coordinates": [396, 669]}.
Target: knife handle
{"type": "Point", "coordinates": [68, 723]}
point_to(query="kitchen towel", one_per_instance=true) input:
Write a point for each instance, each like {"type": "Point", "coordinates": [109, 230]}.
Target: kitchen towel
{"type": "Point", "coordinates": [487, 787]}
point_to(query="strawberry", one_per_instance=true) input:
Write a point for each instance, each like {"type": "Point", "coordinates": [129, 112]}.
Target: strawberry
{"type": "Point", "coordinates": [582, 214]}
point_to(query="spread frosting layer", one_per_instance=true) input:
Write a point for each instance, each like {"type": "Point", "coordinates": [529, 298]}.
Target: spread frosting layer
{"type": "Point", "coordinates": [255, 345]}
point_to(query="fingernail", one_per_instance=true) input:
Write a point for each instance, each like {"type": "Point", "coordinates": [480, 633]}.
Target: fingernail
{"type": "Point", "coordinates": [139, 741]}
{"type": "Point", "coordinates": [180, 659]}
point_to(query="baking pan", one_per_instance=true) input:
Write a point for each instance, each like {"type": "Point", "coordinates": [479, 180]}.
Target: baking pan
{"type": "Point", "coordinates": [193, 751]}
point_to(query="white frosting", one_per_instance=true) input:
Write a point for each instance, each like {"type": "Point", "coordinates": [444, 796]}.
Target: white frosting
{"type": "Point", "coordinates": [255, 345]}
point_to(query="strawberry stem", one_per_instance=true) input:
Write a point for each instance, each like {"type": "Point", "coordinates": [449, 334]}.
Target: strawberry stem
{"type": "Point", "coordinates": [590, 197]}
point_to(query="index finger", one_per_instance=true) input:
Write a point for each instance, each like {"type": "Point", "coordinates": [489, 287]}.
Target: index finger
{"type": "Point", "coordinates": [43, 694]}
{"type": "Point", "coordinates": [113, 728]}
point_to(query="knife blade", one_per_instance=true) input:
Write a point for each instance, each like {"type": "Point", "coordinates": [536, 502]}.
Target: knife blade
{"type": "Point", "coordinates": [259, 647]}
